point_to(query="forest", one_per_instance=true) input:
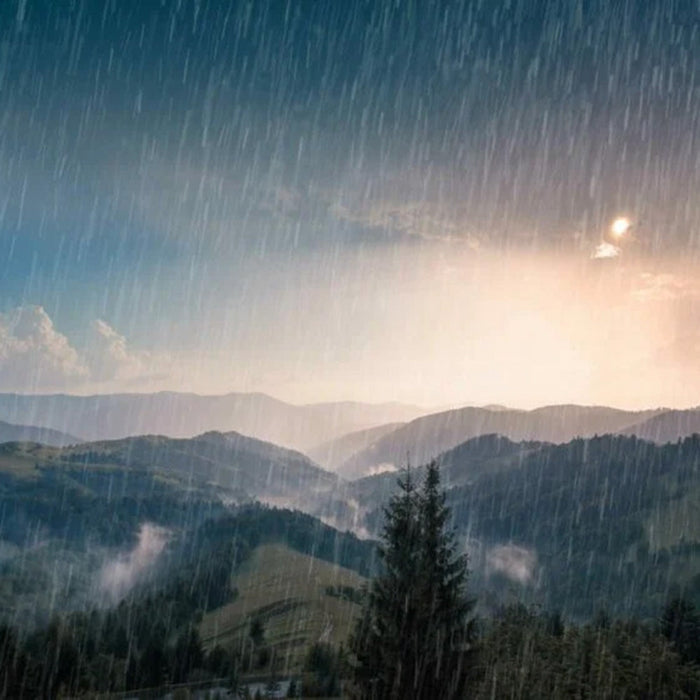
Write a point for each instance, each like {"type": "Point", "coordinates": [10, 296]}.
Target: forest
{"type": "Point", "coordinates": [150, 639]}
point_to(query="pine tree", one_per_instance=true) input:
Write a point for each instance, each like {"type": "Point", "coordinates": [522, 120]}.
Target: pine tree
{"type": "Point", "coordinates": [411, 640]}
{"type": "Point", "coordinates": [446, 632]}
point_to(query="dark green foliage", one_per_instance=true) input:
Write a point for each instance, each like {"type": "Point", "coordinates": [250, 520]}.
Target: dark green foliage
{"type": "Point", "coordinates": [680, 624]}
{"type": "Point", "coordinates": [262, 658]}
{"type": "Point", "coordinates": [187, 654]}
{"type": "Point", "coordinates": [594, 512]}
{"type": "Point", "coordinates": [150, 639]}
{"type": "Point", "coordinates": [521, 655]}
{"type": "Point", "coordinates": [257, 632]}
{"type": "Point", "coordinates": [324, 668]}
{"type": "Point", "coordinates": [304, 533]}
{"type": "Point", "coordinates": [584, 508]}
{"type": "Point", "coordinates": [412, 640]}
{"type": "Point", "coordinates": [105, 506]}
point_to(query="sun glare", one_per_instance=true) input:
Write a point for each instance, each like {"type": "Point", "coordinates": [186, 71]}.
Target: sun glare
{"type": "Point", "coordinates": [620, 226]}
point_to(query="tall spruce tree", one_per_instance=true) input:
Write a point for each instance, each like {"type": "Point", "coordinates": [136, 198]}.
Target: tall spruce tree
{"type": "Point", "coordinates": [412, 639]}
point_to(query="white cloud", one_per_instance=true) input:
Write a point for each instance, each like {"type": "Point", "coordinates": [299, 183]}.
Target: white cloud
{"type": "Point", "coordinates": [35, 357]}
{"type": "Point", "coordinates": [517, 563]}
{"type": "Point", "coordinates": [606, 250]}
{"type": "Point", "coordinates": [111, 358]}
{"type": "Point", "coordinates": [419, 219]}
{"type": "Point", "coordinates": [119, 575]}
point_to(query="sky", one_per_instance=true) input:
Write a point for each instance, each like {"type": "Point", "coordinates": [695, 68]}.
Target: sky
{"type": "Point", "coordinates": [371, 200]}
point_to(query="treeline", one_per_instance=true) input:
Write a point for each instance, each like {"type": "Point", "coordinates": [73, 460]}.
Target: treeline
{"type": "Point", "coordinates": [524, 653]}
{"type": "Point", "coordinates": [519, 653]}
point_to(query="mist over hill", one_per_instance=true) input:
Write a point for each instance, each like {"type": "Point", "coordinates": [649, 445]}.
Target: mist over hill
{"type": "Point", "coordinates": [609, 519]}
{"type": "Point", "coordinates": [668, 426]}
{"type": "Point", "coordinates": [334, 454]}
{"type": "Point", "coordinates": [32, 433]}
{"type": "Point", "coordinates": [113, 416]}
{"type": "Point", "coordinates": [83, 525]}
{"type": "Point", "coordinates": [427, 436]}
{"type": "Point", "coordinates": [608, 522]}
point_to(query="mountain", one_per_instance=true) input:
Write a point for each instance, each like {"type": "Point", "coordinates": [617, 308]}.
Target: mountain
{"type": "Point", "coordinates": [230, 463]}
{"type": "Point", "coordinates": [66, 510]}
{"type": "Point", "coordinates": [668, 426]}
{"type": "Point", "coordinates": [114, 416]}
{"type": "Point", "coordinates": [486, 454]}
{"type": "Point", "coordinates": [31, 433]}
{"type": "Point", "coordinates": [424, 438]}
{"type": "Point", "coordinates": [610, 522]}
{"type": "Point", "coordinates": [334, 453]}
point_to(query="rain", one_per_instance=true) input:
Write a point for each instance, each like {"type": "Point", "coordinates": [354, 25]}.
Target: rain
{"type": "Point", "coordinates": [349, 349]}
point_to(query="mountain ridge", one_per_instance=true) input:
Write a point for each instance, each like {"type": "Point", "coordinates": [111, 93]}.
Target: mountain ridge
{"type": "Point", "coordinates": [177, 414]}
{"type": "Point", "coordinates": [427, 436]}
{"type": "Point", "coordinates": [11, 432]}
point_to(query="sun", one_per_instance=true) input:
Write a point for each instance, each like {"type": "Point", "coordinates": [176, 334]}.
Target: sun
{"type": "Point", "coordinates": [620, 226]}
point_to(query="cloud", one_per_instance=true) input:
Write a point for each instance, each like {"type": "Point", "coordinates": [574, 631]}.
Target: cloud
{"type": "Point", "coordinates": [35, 357]}
{"type": "Point", "coordinates": [33, 354]}
{"type": "Point", "coordinates": [423, 220]}
{"type": "Point", "coordinates": [110, 357]}
{"type": "Point", "coordinates": [517, 563]}
{"type": "Point", "coordinates": [118, 576]}
{"type": "Point", "coordinates": [606, 250]}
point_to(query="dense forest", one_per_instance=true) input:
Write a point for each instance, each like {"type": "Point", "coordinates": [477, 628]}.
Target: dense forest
{"type": "Point", "coordinates": [150, 638]}
{"type": "Point", "coordinates": [611, 611]}
{"type": "Point", "coordinates": [610, 521]}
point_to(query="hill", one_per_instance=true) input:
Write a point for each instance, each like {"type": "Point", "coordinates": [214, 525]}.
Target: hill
{"type": "Point", "coordinates": [668, 426]}
{"type": "Point", "coordinates": [423, 438]}
{"type": "Point", "coordinates": [459, 466]}
{"type": "Point", "coordinates": [334, 453]}
{"type": "Point", "coordinates": [65, 510]}
{"type": "Point", "coordinates": [31, 433]}
{"type": "Point", "coordinates": [610, 522]}
{"type": "Point", "coordinates": [295, 598]}
{"type": "Point", "coordinates": [114, 416]}
{"type": "Point", "coordinates": [146, 636]}
{"type": "Point", "coordinates": [232, 465]}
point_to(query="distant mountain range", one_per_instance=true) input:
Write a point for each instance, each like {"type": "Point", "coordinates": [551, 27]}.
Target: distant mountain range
{"type": "Point", "coordinates": [667, 426]}
{"type": "Point", "coordinates": [114, 416]}
{"type": "Point", "coordinates": [350, 439]}
{"type": "Point", "coordinates": [30, 433]}
{"type": "Point", "coordinates": [334, 454]}
{"type": "Point", "coordinates": [610, 521]}
{"type": "Point", "coordinates": [424, 438]}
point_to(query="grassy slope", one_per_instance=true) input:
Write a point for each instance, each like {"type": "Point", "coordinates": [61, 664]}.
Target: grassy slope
{"type": "Point", "coordinates": [286, 591]}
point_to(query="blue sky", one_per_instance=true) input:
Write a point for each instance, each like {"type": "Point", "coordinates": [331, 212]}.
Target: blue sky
{"type": "Point", "coordinates": [370, 200]}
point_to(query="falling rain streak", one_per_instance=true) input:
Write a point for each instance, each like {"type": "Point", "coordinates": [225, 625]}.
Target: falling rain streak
{"type": "Point", "coordinates": [256, 258]}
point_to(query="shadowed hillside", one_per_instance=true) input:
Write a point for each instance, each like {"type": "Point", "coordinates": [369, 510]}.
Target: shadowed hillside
{"type": "Point", "coordinates": [424, 438]}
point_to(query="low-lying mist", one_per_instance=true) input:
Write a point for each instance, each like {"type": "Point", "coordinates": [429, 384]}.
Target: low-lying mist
{"type": "Point", "coordinates": [118, 575]}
